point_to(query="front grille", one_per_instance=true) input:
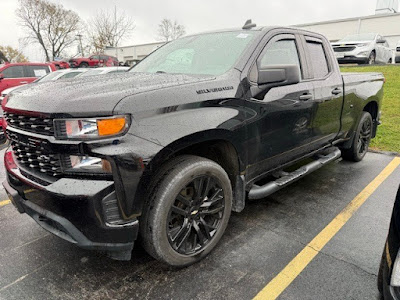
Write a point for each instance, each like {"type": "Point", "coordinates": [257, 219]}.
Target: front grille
{"type": "Point", "coordinates": [32, 154]}
{"type": "Point", "coordinates": [344, 49]}
{"type": "Point", "coordinates": [29, 123]}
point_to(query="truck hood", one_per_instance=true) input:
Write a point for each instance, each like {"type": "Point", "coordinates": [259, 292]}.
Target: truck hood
{"type": "Point", "coordinates": [351, 43]}
{"type": "Point", "coordinates": [95, 95]}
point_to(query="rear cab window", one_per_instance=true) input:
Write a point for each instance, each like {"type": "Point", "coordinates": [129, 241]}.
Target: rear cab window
{"type": "Point", "coordinates": [318, 58]}
{"type": "Point", "coordinates": [36, 71]}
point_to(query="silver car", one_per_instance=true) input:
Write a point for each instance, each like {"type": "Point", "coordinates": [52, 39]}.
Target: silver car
{"type": "Point", "coordinates": [364, 48]}
{"type": "Point", "coordinates": [398, 52]}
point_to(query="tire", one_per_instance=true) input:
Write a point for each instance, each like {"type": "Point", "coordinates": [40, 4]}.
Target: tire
{"type": "Point", "coordinates": [390, 61]}
{"type": "Point", "coordinates": [372, 58]}
{"type": "Point", "coordinates": [179, 236]}
{"type": "Point", "coordinates": [380, 274]}
{"type": "Point", "coordinates": [84, 65]}
{"type": "Point", "coordinates": [362, 138]}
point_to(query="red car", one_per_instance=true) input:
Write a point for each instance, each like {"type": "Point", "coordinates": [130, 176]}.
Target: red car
{"type": "Point", "coordinates": [93, 61]}
{"type": "Point", "coordinates": [60, 64]}
{"type": "Point", "coordinates": [15, 74]}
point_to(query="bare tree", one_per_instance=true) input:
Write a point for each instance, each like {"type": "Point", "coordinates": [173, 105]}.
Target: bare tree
{"type": "Point", "coordinates": [49, 24]}
{"type": "Point", "coordinates": [168, 30]}
{"type": "Point", "coordinates": [11, 54]}
{"type": "Point", "coordinates": [109, 29]}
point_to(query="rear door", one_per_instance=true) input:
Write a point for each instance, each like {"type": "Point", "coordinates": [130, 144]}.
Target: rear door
{"type": "Point", "coordinates": [328, 89]}
{"type": "Point", "coordinates": [13, 76]}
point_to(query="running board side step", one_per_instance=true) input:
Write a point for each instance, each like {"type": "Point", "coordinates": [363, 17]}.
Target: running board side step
{"type": "Point", "coordinates": [259, 192]}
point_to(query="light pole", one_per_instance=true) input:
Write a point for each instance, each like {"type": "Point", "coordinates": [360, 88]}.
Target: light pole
{"type": "Point", "coordinates": [80, 43]}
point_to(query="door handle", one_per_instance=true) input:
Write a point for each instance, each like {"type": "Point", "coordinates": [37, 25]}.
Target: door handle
{"type": "Point", "coordinates": [23, 82]}
{"type": "Point", "coordinates": [337, 91]}
{"type": "Point", "coordinates": [306, 97]}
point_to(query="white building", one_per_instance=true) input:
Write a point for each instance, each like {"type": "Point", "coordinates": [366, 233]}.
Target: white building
{"type": "Point", "coordinates": [132, 54]}
{"type": "Point", "coordinates": [386, 22]}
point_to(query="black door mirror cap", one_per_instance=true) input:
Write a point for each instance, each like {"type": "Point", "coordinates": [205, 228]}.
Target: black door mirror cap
{"type": "Point", "coordinates": [279, 75]}
{"type": "Point", "coordinates": [1, 76]}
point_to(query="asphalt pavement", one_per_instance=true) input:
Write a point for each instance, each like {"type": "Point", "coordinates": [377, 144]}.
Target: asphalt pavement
{"type": "Point", "coordinates": [257, 245]}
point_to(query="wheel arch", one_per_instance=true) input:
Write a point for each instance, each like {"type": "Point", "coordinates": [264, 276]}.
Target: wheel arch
{"type": "Point", "coordinates": [213, 145]}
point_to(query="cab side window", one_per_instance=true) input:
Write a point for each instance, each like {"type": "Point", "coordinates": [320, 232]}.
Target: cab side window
{"type": "Point", "coordinates": [37, 71]}
{"type": "Point", "coordinates": [14, 72]}
{"type": "Point", "coordinates": [281, 52]}
{"type": "Point", "coordinates": [320, 67]}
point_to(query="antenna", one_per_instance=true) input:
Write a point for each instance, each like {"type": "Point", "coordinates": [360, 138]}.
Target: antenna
{"type": "Point", "coordinates": [248, 25]}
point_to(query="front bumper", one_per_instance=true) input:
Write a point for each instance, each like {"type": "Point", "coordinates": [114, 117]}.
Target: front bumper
{"type": "Point", "coordinates": [74, 210]}
{"type": "Point", "coordinates": [352, 59]}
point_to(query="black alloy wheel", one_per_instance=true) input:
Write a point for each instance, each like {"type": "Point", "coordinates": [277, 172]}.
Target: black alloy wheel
{"type": "Point", "coordinates": [372, 58]}
{"type": "Point", "coordinates": [196, 215]}
{"type": "Point", "coordinates": [189, 202]}
{"type": "Point", "coordinates": [364, 137]}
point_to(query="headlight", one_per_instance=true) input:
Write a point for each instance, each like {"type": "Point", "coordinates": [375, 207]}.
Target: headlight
{"type": "Point", "coordinates": [93, 128]}
{"type": "Point", "coordinates": [362, 45]}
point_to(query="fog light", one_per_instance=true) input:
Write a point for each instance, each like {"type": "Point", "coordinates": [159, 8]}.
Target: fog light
{"type": "Point", "coordinates": [106, 166]}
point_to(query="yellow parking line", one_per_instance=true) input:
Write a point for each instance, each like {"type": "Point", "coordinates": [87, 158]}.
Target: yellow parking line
{"type": "Point", "coordinates": [4, 202]}
{"type": "Point", "coordinates": [277, 285]}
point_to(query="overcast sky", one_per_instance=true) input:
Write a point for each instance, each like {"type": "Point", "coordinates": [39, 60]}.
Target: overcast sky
{"type": "Point", "coordinates": [197, 16]}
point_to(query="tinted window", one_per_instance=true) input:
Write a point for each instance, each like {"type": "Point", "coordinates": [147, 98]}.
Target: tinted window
{"type": "Point", "coordinates": [94, 57]}
{"type": "Point", "coordinates": [359, 37]}
{"type": "Point", "coordinates": [103, 57]}
{"type": "Point", "coordinates": [37, 71]}
{"type": "Point", "coordinates": [14, 72]}
{"type": "Point", "coordinates": [318, 59]}
{"type": "Point", "coordinates": [283, 52]}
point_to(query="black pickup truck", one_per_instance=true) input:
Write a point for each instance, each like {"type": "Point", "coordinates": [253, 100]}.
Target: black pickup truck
{"type": "Point", "coordinates": [167, 150]}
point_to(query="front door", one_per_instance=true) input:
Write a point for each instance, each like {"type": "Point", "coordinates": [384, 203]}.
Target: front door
{"type": "Point", "coordinates": [282, 127]}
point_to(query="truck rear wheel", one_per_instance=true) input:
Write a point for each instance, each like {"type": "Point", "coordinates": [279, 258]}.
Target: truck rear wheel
{"type": "Point", "coordinates": [362, 138]}
{"type": "Point", "coordinates": [187, 212]}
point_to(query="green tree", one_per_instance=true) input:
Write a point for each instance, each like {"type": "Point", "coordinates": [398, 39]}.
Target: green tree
{"type": "Point", "coordinates": [11, 54]}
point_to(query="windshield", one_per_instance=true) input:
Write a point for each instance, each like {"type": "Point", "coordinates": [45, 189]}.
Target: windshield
{"type": "Point", "coordinates": [49, 76]}
{"type": "Point", "coordinates": [208, 54]}
{"type": "Point", "coordinates": [91, 73]}
{"type": "Point", "coordinates": [359, 37]}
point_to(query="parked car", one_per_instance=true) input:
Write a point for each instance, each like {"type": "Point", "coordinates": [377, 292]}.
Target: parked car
{"type": "Point", "coordinates": [398, 52]}
{"type": "Point", "coordinates": [389, 271]}
{"type": "Point", "coordinates": [93, 61]}
{"type": "Point", "coordinates": [364, 48]}
{"type": "Point", "coordinates": [60, 64]}
{"type": "Point", "coordinates": [16, 74]}
{"type": "Point", "coordinates": [56, 75]}
{"type": "Point", "coordinates": [171, 147]}
{"type": "Point", "coordinates": [105, 70]}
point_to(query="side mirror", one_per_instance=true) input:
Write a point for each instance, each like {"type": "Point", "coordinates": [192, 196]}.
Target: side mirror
{"type": "Point", "coordinates": [1, 76]}
{"type": "Point", "coordinates": [279, 75]}
{"type": "Point", "coordinates": [90, 58]}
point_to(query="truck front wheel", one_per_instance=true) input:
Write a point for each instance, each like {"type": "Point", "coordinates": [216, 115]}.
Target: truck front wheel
{"type": "Point", "coordinates": [187, 212]}
{"type": "Point", "coordinates": [362, 138]}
